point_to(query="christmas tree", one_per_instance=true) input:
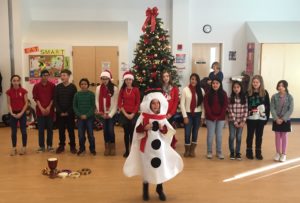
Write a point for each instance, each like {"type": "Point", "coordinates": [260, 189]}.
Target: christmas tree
{"type": "Point", "coordinates": [153, 53]}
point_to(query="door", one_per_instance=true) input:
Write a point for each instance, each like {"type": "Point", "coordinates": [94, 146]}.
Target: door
{"type": "Point", "coordinates": [90, 61]}
{"type": "Point", "coordinates": [203, 55]}
{"type": "Point", "coordinates": [84, 64]}
{"type": "Point", "coordinates": [107, 58]}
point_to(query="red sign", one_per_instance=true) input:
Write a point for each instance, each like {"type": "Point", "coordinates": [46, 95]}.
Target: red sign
{"type": "Point", "coordinates": [31, 50]}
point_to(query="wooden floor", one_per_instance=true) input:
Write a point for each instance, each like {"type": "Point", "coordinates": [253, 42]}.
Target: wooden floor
{"type": "Point", "coordinates": [202, 180]}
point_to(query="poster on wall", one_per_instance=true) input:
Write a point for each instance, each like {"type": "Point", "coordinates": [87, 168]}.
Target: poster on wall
{"type": "Point", "coordinates": [250, 58]}
{"type": "Point", "coordinates": [105, 65]}
{"type": "Point", "coordinates": [180, 58]}
{"type": "Point", "coordinates": [53, 63]}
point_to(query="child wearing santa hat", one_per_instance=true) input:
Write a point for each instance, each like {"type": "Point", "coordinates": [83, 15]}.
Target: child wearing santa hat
{"type": "Point", "coordinates": [128, 104]}
{"type": "Point", "coordinates": [106, 104]}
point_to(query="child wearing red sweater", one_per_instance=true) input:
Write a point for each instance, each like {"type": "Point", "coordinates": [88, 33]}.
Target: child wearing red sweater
{"type": "Point", "coordinates": [215, 105]}
{"type": "Point", "coordinates": [128, 104]}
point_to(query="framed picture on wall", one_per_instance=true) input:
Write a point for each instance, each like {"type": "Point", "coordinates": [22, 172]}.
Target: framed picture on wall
{"type": "Point", "coordinates": [53, 63]}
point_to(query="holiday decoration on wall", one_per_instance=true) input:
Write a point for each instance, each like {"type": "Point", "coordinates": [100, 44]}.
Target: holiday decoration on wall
{"type": "Point", "coordinates": [153, 53]}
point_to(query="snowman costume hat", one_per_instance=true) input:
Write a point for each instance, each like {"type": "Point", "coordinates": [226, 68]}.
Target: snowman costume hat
{"type": "Point", "coordinates": [151, 155]}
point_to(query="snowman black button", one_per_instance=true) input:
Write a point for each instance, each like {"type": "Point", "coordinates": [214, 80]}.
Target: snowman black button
{"type": "Point", "coordinates": [155, 144]}
{"type": "Point", "coordinates": [155, 126]}
{"type": "Point", "coordinates": [155, 162]}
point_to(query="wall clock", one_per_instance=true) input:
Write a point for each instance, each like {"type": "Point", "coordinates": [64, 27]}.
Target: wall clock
{"type": "Point", "coordinates": [207, 28]}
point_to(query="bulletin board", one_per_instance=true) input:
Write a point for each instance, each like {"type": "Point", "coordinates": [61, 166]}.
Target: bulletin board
{"type": "Point", "coordinates": [53, 63]}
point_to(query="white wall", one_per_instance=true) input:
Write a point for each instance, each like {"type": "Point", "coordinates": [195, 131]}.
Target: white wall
{"type": "Point", "coordinates": [227, 19]}
{"type": "Point", "coordinates": [4, 55]}
{"type": "Point", "coordinates": [131, 11]}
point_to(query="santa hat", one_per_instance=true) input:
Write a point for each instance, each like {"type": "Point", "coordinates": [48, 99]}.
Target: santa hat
{"type": "Point", "coordinates": [128, 75]}
{"type": "Point", "coordinates": [107, 74]}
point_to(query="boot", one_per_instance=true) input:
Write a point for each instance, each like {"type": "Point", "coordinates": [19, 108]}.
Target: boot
{"type": "Point", "coordinates": [192, 150]}
{"type": "Point", "coordinates": [145, 191]}
{"type": "Point", "coordinates": [112, 149]}
{"type": "Point", "coordinates": [258, 154]}
{"type": "Point", "coordinates": [249, 154]}
{"type": "Point", "coordinates": [187, 150]}
{"type": "Point", "coordinates": [161, 194]}
{"type": "Point", "coordinates": [106, 150]}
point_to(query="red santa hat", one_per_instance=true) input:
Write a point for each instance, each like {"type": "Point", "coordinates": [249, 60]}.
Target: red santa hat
{"type": "Point", "coordinates": [107, 74]}
{"type": "Point", "coordinates": [128, 75]}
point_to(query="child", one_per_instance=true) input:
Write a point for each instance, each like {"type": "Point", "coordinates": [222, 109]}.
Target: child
{"type": "Point", "coordinates": [282, 106]}
{"type": "Point", "coordinates": [191, 109]}
{"type": "Point", "coordinates": [171, 92]}
{"type": "Point", "coordinates": [63, 99]}
{"type": "Point", "coordinates": [43, 94]}
{"type": "Point", "coordinates": [106, 103]}
{"type": "Point", "coordinates": [17, 105]}
{"type": "Point", "coordinates": [258, 115]}
{"type": "Point", "coordinates": [216, 73]}
{"type": "Point", "coordinates": [30, 116]}
{"type": "Point", "coordinates": [215, 105]}
{"type": "Point", "coordinates": [238, 111]}
{"type": "Point", "coordinates": [151, 155]}
{"type": "Point", "coordinates": [84, 108]}
{"type": "Point", "coordinates": [128, 104]}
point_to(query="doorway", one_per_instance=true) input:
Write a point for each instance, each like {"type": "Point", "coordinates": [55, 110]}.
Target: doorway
{"type": "Point", "coordinates": [90, 61]}
{"type": "Point", "coordinates": [203, 55]}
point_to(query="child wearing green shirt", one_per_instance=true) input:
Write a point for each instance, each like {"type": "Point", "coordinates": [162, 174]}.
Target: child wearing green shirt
{"type": "Point", "coordinates": [84, 108]}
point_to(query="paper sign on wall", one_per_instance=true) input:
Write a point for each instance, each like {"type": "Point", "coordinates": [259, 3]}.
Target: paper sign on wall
{"type": "Point", "coordinates": [31, 50]}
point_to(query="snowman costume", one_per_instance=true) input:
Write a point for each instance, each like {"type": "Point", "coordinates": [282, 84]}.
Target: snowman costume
{"type": "Point", "coordinates": [151, 155]}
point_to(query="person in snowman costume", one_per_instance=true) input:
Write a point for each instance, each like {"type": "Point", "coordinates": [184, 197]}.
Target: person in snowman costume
{"type": "Point", "coordinates": [151, 155]}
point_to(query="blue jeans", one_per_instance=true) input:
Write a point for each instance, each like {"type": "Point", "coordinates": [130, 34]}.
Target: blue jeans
{"type": "Point", "coordinates": [192, 128]}
{"type": "Point", "coordinates": [13, 125]}
{"type": "Point", "coordinates": [108, 131]}
{"type": "Point", "coordinates": [86, 125]}
{"type": "Point", "coordinates": [214, 128]}
{"type": "Point", "coordinates": [235, 133]}
{"type": "Point", "coordinates": [45, 122]}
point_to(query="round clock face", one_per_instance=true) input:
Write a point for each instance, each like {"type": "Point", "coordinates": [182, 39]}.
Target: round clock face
{"type": "Point", "coordinates": [207, 28]}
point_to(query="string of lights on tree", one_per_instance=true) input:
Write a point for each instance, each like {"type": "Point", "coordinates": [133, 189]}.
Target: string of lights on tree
{"type": "Point", "coordinates": [153, 53]}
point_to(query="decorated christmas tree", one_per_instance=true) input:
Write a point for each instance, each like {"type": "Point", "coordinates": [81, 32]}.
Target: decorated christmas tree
{"type": "Point", "coordinates": [153, 53]}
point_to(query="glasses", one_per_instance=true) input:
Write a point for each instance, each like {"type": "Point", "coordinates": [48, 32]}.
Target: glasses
{"type": "Point", "coordinates": [104, 78]}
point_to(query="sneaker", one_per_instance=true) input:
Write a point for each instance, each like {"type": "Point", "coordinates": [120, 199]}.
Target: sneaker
{"type": "Point", "coordinates": [22, 151]}
{"type": "Point", "coordinates": [277, 157]}
{"type": "Point", "coordinates": [93, 153]}
{"type": "Point", "coordinates": [126, 154]}
{"type": "Point", "coordinates": [13, 152]}
{"type": "Point", "coordinates": [282, 158]}
{"type": "Point", "coordinates": [50, 149]}
{"type": "Point", "coordinates": [73, 150]}
{"type": "Point", "coordinates": [220, 156]}
{"type": "Point", "coordinates": [60, 149]}
{"type": "Point", "coordinates": [209, 155]}
{"type": "Point", "coordinates": [238, 156]}
{"type": "Point", "coordinates": [259, 157]}
{"type": "Point", "coordinates": [80, 152]}
{"type": "Point", "coordinates": [232, 157]}
{"type": "Point", "coordinates": [40, 150]}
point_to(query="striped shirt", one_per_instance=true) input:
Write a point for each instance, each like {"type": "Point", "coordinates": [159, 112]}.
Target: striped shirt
{"type": "Point", "coordinates": [84, 103]}
{"type": "Point", "coordinates": [63, 98]}
{"type": "Point", "coordinates": [237, 112]}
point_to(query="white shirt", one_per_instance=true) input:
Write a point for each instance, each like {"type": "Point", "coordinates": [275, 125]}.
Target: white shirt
{"type": "Point", "coordinates": [185, 102]}
{"type": "Point", "coordinates": [113, 101]}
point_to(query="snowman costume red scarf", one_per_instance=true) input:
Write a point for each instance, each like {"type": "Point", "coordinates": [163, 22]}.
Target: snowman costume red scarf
{"type": "Point", "coordinates": [151, 155]}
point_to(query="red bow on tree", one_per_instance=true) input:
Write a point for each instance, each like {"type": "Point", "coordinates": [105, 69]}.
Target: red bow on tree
{"type": "Point", "coordinates": [151, 16]}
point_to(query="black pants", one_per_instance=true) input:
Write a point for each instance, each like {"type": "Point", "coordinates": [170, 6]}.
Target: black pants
{"type": "Point", "coordinates": [128, 126]}
{"type": "Point", "coordinates": [63, 123]}
{"type": "Point", "coordinates": [257, 127]}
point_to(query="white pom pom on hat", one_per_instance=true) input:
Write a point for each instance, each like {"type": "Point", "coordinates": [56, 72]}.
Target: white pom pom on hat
{"type": "Point", "coordinates": [128, 75]}
{"type": "Point", "coordinates": [107, 74]}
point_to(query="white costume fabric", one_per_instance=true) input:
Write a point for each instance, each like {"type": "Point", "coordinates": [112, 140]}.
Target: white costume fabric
{"type": "Point", "coordinates": [159, 162]}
